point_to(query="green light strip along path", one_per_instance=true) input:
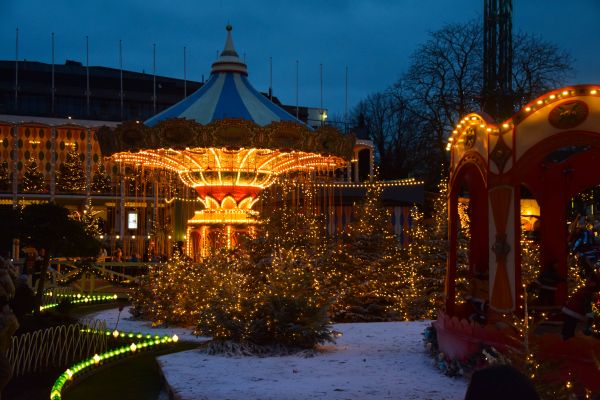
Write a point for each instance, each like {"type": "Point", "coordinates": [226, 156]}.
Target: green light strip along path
{"type": "Point", "coordinates": [80, 299]}
{"type": "Point", "coordinates": [138, 342]}
{"type": "Point", "coordinates": [132, 378]}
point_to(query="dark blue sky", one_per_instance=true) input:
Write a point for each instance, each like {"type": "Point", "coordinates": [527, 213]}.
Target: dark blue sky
{"type": "Point", "coordinates": [373, 38]}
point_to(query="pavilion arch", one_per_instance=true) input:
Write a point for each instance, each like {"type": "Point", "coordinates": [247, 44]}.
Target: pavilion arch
{"type": "Point", "coordinates": [554, 182]}
{"type": "Point", "coordinates": [470, 176]}
{"type": "Point", "coordinates": [515, 153]}
{"type": "Point", "coordinates": [551, 147]}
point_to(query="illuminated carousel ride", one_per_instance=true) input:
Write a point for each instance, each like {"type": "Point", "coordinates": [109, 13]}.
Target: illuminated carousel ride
{"type": "Point", "coordinates": [228, 142]}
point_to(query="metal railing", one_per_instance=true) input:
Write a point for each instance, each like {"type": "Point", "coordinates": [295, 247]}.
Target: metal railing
{"type": "Point", "coordinates": [96, 277]}
{"type": "Point", "coordinates": [55, 347]}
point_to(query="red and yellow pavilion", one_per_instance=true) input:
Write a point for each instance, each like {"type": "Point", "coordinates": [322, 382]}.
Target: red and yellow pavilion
{"type": "Point", "coordinates": [550, 150]}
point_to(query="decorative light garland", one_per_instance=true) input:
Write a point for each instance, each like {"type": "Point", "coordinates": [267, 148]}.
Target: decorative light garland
{"type": "Point", "coordinates": [533, 106]}
{"type": "Point", "coordinates": [144, 342]}
{"type": "Point", "coordinates": [78, 299]}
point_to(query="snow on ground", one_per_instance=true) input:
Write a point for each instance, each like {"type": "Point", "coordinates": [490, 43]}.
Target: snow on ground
{"type": "Point", "coordinates": [370, 361]}
{"type": "Point", "coordinates": [129, 324]}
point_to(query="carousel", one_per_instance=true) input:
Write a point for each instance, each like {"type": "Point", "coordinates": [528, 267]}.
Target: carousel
{"type": "Point", "coordinates": [228, 142]}
{"type": "Point", "coordinates": [539, 159]}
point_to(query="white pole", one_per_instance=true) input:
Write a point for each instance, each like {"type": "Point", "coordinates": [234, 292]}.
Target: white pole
{"type": "Point", "coordinates": [52, 94]}
{"type": "Point", "coordinates": [121, 75]}
{"type": "Point", "coordinates": [297, 87]}
{"type": "Point", "coordinates": [322, 111]}
{"type": "Point", "coordinates": [87, 74]}
{"type": "Point", "coordinates": [154, 77]}
{"type": "Point", "coordinates": [346, 104]}
{"type": "Point", "coordinates": [17, 70]}
{"type": "Point", "coordinates": [270, 78]}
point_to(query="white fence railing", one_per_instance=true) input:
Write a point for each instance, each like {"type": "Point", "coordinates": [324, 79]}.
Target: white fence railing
{"type": "Point", "coordinates": [55, 347]}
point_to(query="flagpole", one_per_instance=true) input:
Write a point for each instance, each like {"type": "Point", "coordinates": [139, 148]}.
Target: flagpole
{"type": "Point", "coordinates": [184, 74]}
{"type": "Point", "coordinates": [346, 104]}
{"type": "Point", "coordinates": [121, 75]}
{"type": "Point", "coordinates": [154, 77]}
{"type": "Point", "coordinates": [297, 86]}
{"type": "Point", "coordinates": [87, 74]}
{"type": "Point", "coordinates": [53, 89]}
{"type": "Point", "coordinates": [271, 78]}
{"type": "Point", "coordinates": [17, 70]}
{"type": "Point", "coordinates": [322, 111]}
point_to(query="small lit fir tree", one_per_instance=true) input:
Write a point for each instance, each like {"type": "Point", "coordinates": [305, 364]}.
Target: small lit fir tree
{"type": "Point", "coordinates": [366, 271]}
{"type": "Point", "coordinates": [427, 254]}
{"type": "Point", "coordinates": [33, 179]}
{"type": "Point", "coordinates": [4, 176]}
{"type": "Point", "coordinates": [171, 292]}
{"type": "Point", "coordinates": [265, 296]}
{"type": "Point", "coordinates": [101, 182]}
{"type": "Point", "coordinates": [70, 177]}
{"type": "Point", "coordinates": [91, 222]}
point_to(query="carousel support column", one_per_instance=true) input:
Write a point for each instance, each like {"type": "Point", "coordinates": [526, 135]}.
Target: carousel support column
{"type": "Point", "coordinates": [553, 236]}
{"type": "Point", "coordinates": [189, 247]}
{"type": "Point", "coordinates": [450, 281]}
{"type": "Point", "coordinates": [52, 163]}
{"type": "Point", "coordinates": [349, 172]}
{"type": "Point", "coordinates": [122, 205]}
{"type": "Point", "coordinates": [229, 233]}
{"type": "Point", "coordinates": [203, 239]}
{"type": "Point", "coordinates": [155, 208]}
{"type": "Point", "coordinates": [15, 172]}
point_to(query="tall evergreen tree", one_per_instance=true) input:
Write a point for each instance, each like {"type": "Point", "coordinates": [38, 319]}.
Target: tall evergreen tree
{"type": "Point", "coordinates": [366, 268]}
{"type": "Point", "coordinates": [101, 181]}
{"type": "Point", "coordinates": [33, 179]}
{"type": "Point", "coordinates": [70, 177]}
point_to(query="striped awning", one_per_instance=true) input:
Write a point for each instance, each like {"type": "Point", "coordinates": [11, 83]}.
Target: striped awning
{"type": "Point", "coordinates": [227, 94]}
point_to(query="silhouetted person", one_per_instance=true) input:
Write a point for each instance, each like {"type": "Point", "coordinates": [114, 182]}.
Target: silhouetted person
{"type": "Point", "coordinates": [500, 382]}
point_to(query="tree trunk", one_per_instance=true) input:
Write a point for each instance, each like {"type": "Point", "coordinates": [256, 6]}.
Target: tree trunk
{"type": "Point", "coordinates": [39, 296]}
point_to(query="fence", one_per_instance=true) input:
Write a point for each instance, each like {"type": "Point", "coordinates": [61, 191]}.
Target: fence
{"type": "Point", "coordinates": [56, 347]}
{"type": "Point", "coordinates": [95, 277]}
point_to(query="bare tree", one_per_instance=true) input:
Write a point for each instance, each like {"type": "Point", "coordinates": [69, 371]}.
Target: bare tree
{"type": "Point", "coordinates": [410, 122]}
{"type": "Point", "coordinates": [390, 125]}
{"type": "Point", "coordinates": [538, 66]}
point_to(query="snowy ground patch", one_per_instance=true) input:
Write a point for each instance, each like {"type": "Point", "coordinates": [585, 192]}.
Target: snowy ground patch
{"type": "Point", "coordinates": [370, 361]}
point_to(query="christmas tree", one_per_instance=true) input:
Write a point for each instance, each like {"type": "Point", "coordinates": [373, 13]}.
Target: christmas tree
{"type": "Point", "coordinates": [33, 180]}
{"type": "Point", "coordinates": [427, 252]}
{"type": "Point", "coordinates": [70, 177]}
{"type": "Point", "coordinates": [101, 181]}
{"type": "Point", "coordinates": [4, 176]}
{"type": "Point", "coordinates": [91, 223]}
{"type": "Point", "coordinates": [367, 269]}
{"type": "Point", "coordinates": [264, 296]}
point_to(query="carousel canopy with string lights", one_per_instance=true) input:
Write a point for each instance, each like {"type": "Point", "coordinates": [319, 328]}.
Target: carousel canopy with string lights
{"type": "Point", "coordinates": [227, 140]}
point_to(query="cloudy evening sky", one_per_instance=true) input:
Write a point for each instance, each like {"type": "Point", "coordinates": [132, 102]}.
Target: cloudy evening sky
{"type": "Point", "coordinates": [373, 38]}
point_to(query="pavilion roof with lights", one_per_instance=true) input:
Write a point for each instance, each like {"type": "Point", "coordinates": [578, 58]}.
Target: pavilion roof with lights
{"type": "Point", "coordinates": [228, 142]}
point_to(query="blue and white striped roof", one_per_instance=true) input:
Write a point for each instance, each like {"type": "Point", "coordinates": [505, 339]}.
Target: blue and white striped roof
{"type": "Point", "coordinates": [227, 94]}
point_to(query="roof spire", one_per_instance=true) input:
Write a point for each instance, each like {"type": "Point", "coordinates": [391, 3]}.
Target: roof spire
{"type": "Point", "coordinates": [229, 60]}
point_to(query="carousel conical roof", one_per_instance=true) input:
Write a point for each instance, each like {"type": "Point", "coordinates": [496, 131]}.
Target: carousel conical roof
{"type": "Point", "coordinates": [227, 94]}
